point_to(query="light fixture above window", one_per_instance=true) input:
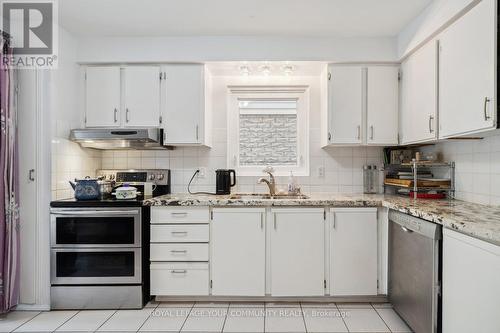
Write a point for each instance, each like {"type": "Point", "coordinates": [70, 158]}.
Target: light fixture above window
{"type": "Point", "coordinates": [287, 69]}
{"type": "Point", "coordinates": [245, 70]}
{"type": "Point", "coordinates": [265, 70]}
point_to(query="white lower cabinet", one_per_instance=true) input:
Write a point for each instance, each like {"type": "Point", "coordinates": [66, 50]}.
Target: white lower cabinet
{"type": "Point", "coordinates": [179, 251]}
{"type": "Point", "coordinates": [471, 284]}
{"type": "Point", "coordinates": [179, 279]}
{"type": "Point", "coordinates": [353, 251]}
{"type": "Point", "coordinates": [238, 251]}
{"type": "Point", "coordinates": [259, 251]}
{"type": "Point", "coordinates": [297, 252]}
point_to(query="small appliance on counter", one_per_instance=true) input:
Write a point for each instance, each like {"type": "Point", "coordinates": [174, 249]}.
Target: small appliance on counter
{"type": "Point", "coordinates": [99, 248]}
{"type": "Point", "coordinates": [224, 181]}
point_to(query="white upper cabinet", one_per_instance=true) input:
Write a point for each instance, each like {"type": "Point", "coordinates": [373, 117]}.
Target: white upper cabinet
{"type": "Point", "coordinates": [363, 105]}
{"type": "Point", "coordinates": [419, 95]}
{"type": "Point", "coordinates": [382, 101]}
{"type": "Point", "coordinates": [345, 105]}
{"type": "Point", "coordinates": [186, 117]}
{"type": "Point", "coordinates": [298, 252]}
{"type": "Point", "coordinates": [238, 245]}
{"type": "Point", "coordinates": [141, 96]}
{"type": "Point", "coordinates": [122, 96]}
{"type": "Point", "coordinates": [102, 98]}
{"type": "Point", "coordinates": [353, 252]}
{"type": "Point", "coordinates": [467, 73]}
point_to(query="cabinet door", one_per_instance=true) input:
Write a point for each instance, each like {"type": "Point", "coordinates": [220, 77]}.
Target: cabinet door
{"type": "Point", "coordinates": [353, 252]}
{"type": "Point", "coordinates": [467, 73]}
{"type": "Point", "coordinates": [184, 103]}
{"type": "Point", "coordinates": [238, 245]}
{"type": "Point", "coordinates": [382, 105]}
{"type": "Point", "coordinates": [471, 288]}
{"type": "Point", "coordinates": [419, 95]}
{"type": "Point", "coordinates": [141, 96]}
{"type": "Point", "coordinates": [345, 105]}
{"type": "Point", "coordinates": [297, 252]}
{"type": "Point", "coordinates": [102, 97]}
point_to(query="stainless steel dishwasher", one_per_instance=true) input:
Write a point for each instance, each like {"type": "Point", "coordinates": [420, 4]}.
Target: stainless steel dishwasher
{"type": "Point", "coordinates": [415, 271]}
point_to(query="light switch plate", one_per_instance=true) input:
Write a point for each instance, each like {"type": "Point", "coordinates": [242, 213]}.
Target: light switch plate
{"type": "Point", "coordinates": [321, 171]}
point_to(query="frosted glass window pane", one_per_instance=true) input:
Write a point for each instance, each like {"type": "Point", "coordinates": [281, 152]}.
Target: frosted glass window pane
{"type": "Point", "coordinates": [268, 133]}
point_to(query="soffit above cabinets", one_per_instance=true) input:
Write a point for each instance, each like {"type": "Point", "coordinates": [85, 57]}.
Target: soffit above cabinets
{"type": "Point", "coordinates": [283, 18]}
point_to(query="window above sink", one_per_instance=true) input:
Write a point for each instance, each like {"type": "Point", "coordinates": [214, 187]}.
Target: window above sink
{"type": "Point", "coordinates": [267, 126]}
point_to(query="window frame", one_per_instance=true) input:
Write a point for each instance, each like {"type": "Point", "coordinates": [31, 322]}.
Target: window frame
{"type": "Point", "coordinates": [298, 93]}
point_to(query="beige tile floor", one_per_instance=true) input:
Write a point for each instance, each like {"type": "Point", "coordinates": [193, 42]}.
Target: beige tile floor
{"type": "Point", "coordinates": [214, 317]}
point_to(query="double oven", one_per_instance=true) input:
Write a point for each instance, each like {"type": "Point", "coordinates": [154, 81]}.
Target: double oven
{"type": "Point", "coordinates": [96, 257]}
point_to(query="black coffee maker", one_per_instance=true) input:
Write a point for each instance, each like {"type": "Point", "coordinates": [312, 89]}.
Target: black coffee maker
{"type": "Point", "coordinates": [223, 181]}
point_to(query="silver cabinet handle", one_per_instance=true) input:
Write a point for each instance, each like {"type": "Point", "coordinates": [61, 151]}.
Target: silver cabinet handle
{"type": "Point", "coordinates": [126, 115]}
{"type": "Point", "coordinates": [329, 136]}
{"type": "Point", "coordinates": [333, 221]}
{"type": "Point", "coordinates": [371, 132]}
{"type": "Point", "coordinates": [178, 251]}
{"type": "Point", "coordinates": [262, 220]}
{"type": "Point", "coordinates": [359, 132]}
{"type": "Point", "coordinates": [115, 116]}
{"type": "Point", "coordinates": [274, 221]}
{"type": "Point", "coordinates": [178, 271]}
{"type": "Point", "coordinates": [179, 232]}
{"type": "Point", "coordinates": [179, 214]}
{"type": "Point", "coordinates": [431, 119]}
{"type": "Point", "coordinates": [31, 175]}
{"type": "Point", "coordinates": [197, 132]}
{"type": "Point", "coordinates": [486, 101]}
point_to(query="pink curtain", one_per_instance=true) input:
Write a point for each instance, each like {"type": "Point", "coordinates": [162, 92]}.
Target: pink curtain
{"type": "Point", "coordinates": [9, 187]}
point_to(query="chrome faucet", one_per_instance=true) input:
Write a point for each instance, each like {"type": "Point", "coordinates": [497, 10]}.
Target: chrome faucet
{"type": "Point", "coordinates": [271, 183]}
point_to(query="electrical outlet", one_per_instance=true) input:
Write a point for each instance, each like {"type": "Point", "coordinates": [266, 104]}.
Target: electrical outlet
{"type": "Point", "coordinates": [321, 171]}
{"type": "Point", "coordinates": [202, 173]}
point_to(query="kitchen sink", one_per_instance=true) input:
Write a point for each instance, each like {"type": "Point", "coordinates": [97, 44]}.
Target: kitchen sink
{"type": "Point", "coordinates": [260, 196]}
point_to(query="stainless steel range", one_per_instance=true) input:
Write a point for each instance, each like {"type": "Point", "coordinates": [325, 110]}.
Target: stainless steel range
{"type": "Point", "coordinates": [98, 247]}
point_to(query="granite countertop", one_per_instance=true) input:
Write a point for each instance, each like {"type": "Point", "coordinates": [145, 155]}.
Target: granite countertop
{"type": "Point", "coordinates": [479, 221]}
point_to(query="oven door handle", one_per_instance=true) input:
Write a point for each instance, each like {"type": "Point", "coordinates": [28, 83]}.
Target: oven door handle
{"type": "Point", "coordinates": [95, 212]}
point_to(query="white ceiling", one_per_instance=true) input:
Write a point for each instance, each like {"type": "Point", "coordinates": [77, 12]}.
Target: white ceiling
{"type": "Point", "coordinates": [329, 18]}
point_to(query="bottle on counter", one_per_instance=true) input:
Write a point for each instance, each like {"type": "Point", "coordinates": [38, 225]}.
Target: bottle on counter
{"type": "Point", "coordinates": [292, 184]}
{"type": "Point", "coordinates": [370, 179]}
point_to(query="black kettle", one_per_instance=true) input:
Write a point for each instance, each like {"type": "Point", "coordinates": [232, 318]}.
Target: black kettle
{"type": "Point", "coordinates": [223, 181]}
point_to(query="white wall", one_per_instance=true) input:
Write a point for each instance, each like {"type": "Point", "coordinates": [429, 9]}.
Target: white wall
{"type": "Point", "coordinates": [432, 20]}
{"type": "Point", "coordinates": [69, 160]}
{"type": "Point", "coordinates": [201, 49]}
{"type": "Point", "coordinates": [477, 168]}
{"type": "Point", "coordinates": [343, 166]}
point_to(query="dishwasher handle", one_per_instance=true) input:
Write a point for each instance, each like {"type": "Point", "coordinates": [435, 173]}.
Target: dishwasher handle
{"type": "Point", "coordinates": [405, 229]}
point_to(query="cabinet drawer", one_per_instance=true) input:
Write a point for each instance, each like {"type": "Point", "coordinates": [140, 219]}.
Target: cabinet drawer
{"type": "Point", "coordinates": [179, 233]}
{"type": "Point", "coordinates": [179, 252]}
{"type": "Point", "coordinates": [180, 279]}
{"type": "Point", "coordinates": [179, 215]}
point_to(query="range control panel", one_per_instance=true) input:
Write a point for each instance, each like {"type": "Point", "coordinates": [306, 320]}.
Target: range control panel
{"type": "Point", "coordinates": [155, 176]}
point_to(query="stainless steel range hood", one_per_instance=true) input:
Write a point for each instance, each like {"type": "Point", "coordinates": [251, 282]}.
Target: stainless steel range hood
{"type": "Point", "coordinates": [114, 138]}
